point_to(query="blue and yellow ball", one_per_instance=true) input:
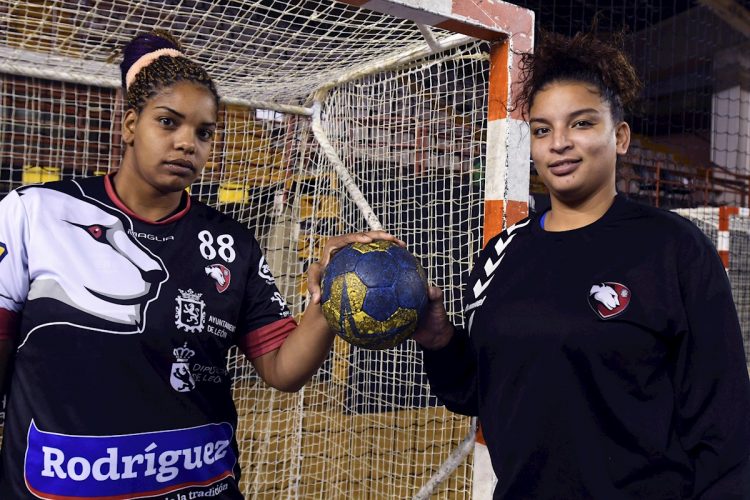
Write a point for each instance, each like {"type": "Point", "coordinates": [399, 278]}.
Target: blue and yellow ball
{"type": "Point", "coordinates": [373, 294]}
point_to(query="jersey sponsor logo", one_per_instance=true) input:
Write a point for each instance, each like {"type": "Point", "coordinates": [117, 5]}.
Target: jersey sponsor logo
{"type": "Point", "coordinates": [220, 274]}
{"type": "Point", "coordinates": [150, 237]}
{"type": "Point", "coordinates": [209, 373]}
{"type": "Point", "coordinates": [264, 271]}
{"type": "Point", "coordinates": [63, 466]}
{"type": "Point", "coordinates": [609, 299]}
{"type": "Point", "coordinates": [219, 327]}
{"type": "Point", "coordinates": [190, 313]}
{"type": "Point", "coordinates": [3, 251]}
{"type": "Point", "coordinates": [180, 377]}
{"type": "Point", "coordinates": [94, 265]}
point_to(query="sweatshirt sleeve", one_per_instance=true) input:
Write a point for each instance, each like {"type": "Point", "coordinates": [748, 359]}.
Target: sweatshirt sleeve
{"type": "Point", "coordinates": [452, 370]}
{"type": "Point", "coordinates": [712, 388]}
{"type": "Point", "coordinates": [453, 375]}
{"type": "Point", "coordinates": [14, 267]}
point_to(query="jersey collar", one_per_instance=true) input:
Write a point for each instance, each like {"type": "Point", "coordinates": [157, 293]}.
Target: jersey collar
{"type": "Point", "coordinates": [110, 188]}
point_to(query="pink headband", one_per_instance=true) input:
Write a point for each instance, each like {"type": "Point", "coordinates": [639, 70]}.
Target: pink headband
{"type": "Point", "coordinates": [145, 60]}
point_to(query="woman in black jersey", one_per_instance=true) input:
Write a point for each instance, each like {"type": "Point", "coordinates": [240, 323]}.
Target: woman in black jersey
{"type": "Point", "coordinates": [603, 353]}
{"type": "Point", "coordinates": [120, 298]}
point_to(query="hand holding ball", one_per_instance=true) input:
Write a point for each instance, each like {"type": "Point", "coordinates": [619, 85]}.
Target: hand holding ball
{"type": "Point", "coordinates": [373, 294]}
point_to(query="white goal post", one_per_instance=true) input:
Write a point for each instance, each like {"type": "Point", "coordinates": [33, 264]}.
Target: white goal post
{"type": "Point", "coordinates": [335, 117]}
{"type": "Point", "coordinates": [728, 228]}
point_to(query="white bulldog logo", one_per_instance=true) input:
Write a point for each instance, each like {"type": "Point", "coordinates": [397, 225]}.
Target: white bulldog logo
{"type": "Point", "coordinates": [221, 275]}
{"type": "Point", "coordinates": [609, 299]}
{"type": "Point", "coordinates": [91, 263]}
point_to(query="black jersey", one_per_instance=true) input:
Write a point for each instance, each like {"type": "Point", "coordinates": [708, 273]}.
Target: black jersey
{"type": "Point", "coordinates": [120, 387]}
{"type": "Point", "coordinates": [604, 362]}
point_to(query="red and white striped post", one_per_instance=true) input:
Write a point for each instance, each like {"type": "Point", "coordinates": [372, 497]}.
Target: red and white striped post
{"type": "Point", "coordinates": [511, 29]}
{"type": "Point", "coordinates": [722, 238]}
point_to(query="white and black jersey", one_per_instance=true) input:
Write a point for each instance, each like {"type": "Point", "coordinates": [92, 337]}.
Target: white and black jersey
{"type": "Point", "coordinates": [603, 362]}
{"type": "Point", "coordinates": [120, 387]}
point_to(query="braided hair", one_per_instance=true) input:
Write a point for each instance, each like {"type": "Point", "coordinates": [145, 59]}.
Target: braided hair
{"type": "Point", "coordinates": [582, 58]}
{"type": "Point", "coordinates": [161, 73]}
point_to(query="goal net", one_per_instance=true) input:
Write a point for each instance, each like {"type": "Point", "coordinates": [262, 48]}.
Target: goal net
{"type": "Point", "coordinates": [334, 119]}
{"type": "Point", "coordinates": [728, 227]}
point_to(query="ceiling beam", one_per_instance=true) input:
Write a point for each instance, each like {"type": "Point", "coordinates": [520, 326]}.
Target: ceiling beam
{"type": "Point", "coordinates": [734, 14]}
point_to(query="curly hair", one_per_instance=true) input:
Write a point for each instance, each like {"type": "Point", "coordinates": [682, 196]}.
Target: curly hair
{"type": "Point", "coordinates": [162, 72]}
{"type": "Point", "coordinates": [583, 58]}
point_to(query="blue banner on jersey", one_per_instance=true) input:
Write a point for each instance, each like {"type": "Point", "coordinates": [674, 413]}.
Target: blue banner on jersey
{"type": "Point", "coordinates": [60, 466]}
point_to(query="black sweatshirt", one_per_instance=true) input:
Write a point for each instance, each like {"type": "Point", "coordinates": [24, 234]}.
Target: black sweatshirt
{"type": "Point", "coordinates": [604, 362]}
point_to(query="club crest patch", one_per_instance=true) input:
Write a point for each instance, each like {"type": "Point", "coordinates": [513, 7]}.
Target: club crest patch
{"type": "Point", "coordinates": [190, 313]}
{"type": "Point", "coordinates": [609, 299]}
{"type": "Point", "coordinates": [221, 276]}
{"type": "Point", "coordinates": [3, 251]}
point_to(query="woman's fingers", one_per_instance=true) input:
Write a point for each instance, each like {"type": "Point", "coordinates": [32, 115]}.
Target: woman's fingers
{"type": "Point", "coordinates": [314, 275]}
{"type": "Point", "coordinates": [334, 244]}
{"type": "Point", "coordinates": [338, 242]}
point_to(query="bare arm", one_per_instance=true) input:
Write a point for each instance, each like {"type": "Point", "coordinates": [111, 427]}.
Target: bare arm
{"type": "Point", "coordinates": [290, 366]}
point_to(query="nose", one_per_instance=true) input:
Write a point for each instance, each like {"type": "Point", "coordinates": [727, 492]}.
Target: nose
{"type": "Point", "coordinates": [185, 142]}
{"type": "Point", "coordinates": [560, 140]}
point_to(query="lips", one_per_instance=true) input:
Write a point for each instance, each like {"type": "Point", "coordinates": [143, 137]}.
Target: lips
{"type": "Point", "coordinates": [181, 164]}
{"type": "Point", "coordinates": [563, 167]}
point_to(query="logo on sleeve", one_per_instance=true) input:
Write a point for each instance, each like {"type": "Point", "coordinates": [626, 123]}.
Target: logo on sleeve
{"type": "Point", "coordinates": [3, 251]}
{"type": "Point", "coordinates": [492, 259]}
{"type": "Point", "coordinates": [283, 311]}
{"type": "Point", "coordinates": [609, 299]}
{"type": "Point", "coordinates": [264, 271]}
{"type": "Point", "coordinates": [221, 276]}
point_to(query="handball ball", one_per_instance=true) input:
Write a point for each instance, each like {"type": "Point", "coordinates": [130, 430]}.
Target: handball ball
{"type": "Point", "coordinates": [373, 294]}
